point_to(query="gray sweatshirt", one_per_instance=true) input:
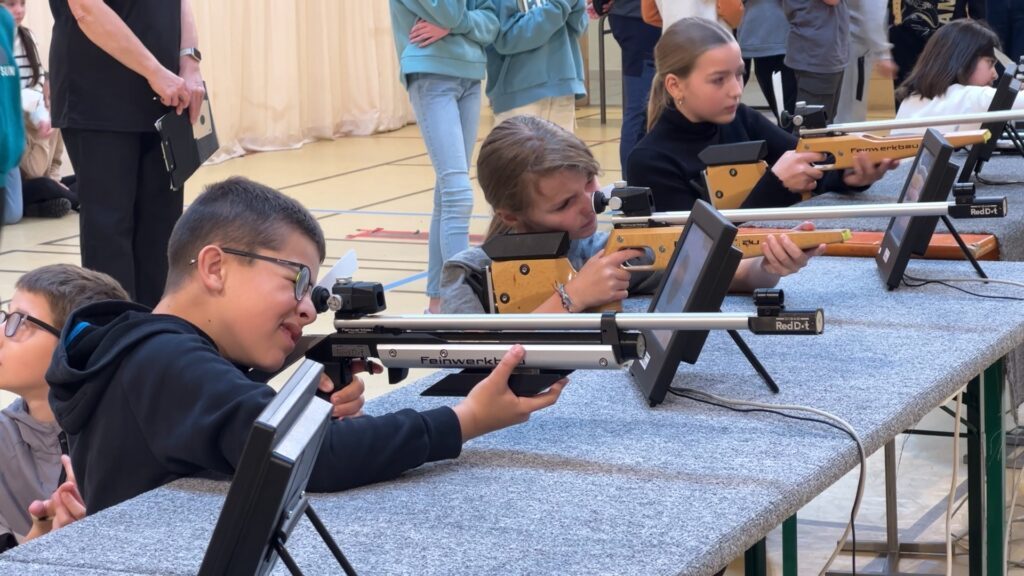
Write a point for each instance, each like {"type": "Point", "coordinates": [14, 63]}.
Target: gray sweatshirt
{"type": "Point", "coordinates": [869, 29]}
{"type": "Point", "coordinates": [30, 455]}
{"type": "Point", "coordinates": [764, 29]}
{"type": "Point", "coordinates": [819, 36]}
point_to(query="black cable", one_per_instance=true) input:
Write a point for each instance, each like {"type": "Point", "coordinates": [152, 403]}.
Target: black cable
{"type": "Point", "coordinates": [853, 525]}
{"type": "Point", "coordinates": [925, 282]}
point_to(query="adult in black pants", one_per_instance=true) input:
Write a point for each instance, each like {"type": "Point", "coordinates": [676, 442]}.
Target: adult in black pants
{"type": "Point", "coordinates": [636, 39]}
{"type": "Point", "coordinates": [1007, 18]}
{"type": "Point", "coordinates": [115, 67]}
{"type": "Point", "coordinates": [762, 38]}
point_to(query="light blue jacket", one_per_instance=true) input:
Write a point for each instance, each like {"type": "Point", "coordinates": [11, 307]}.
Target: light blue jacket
{"type": "Point", "coordinates": [460, 54]}
{"type": "Point", "coordinates": [537, 52]}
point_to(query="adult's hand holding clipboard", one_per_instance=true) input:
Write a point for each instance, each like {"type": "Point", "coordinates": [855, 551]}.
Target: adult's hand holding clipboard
{"type": "Point", "coordinates": [186, 145]}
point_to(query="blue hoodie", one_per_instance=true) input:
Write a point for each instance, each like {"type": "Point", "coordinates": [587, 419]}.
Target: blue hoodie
{"type": "Point", "coordinates": [12, 129]}
{"type": "Point", "coordinates": [537, 52]}
{"type": "Point", "coordinates": [460, 54]}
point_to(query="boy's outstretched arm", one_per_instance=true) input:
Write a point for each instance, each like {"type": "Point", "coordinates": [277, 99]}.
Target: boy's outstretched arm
{"type": "Point", "coordinates": [491, 405]}
{"type": "Point", "coordinates": [358, 451]}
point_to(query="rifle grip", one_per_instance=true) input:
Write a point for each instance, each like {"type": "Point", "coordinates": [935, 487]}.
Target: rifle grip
{"type": "Point", "coordinates": [340, 374]}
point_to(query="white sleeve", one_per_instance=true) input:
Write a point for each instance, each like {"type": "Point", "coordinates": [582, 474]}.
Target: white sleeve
{"type": "Point", "coordinates": [34, 105]}
{"type": "Point", "coordinates": [976, 99]}
{"type": "Point", "coordinates": [1018, 103]}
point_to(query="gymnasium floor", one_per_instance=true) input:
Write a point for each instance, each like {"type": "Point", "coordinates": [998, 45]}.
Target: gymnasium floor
{"type": "Point", "coordinates": [374, 195]}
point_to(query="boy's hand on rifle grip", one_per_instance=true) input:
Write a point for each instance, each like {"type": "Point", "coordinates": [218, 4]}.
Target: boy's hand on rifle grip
{"type": "Point", "coordinates": [602, 280]}
{"type": "Point", "coordinates": [796, 171]}
{"type": "Point", "coordinates": [491, 405]}
{"type": "Point", "coordinates": [865, 172]}
{"type": "Point", "coordinates": [348, 401]}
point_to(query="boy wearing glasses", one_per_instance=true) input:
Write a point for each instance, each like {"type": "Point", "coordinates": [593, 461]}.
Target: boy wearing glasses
{"type": "Point", "coordinates": [148, 397]}
{"type": "Point", "coordinates": [31, 443]}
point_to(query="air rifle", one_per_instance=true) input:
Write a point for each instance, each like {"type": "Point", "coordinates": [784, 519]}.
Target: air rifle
{"type": "Point", "coordinates": [525, 267]}
{"type": "Point", "coordinates": [734, 169]}
{"type": "Point", "coordinates": [965, 206]}
{"type": "Point", "coordinates": [555, 344]}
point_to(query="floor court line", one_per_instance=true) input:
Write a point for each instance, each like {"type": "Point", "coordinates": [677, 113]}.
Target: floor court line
{"type": "Point", "coordinates": [404, 281]}
{"type": "Point", "coordinates": [354, 171]}
{"type": "Point", "coordinates": [384, 213]}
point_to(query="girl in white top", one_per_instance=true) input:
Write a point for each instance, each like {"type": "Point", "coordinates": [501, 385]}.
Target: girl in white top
{"type": "Point", "coordinates": [954, 75]}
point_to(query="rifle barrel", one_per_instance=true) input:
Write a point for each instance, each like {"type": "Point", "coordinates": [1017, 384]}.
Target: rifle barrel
{"type": "Point", "coordinates": [800, 213]}
{"type": "Point", "coordinates": [501, 322]}
{"type": "Point", "coordinates": [977, 118]}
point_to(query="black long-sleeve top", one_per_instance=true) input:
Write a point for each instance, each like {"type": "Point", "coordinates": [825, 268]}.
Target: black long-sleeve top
{"type": "Point", "coordinates": [666, 160]}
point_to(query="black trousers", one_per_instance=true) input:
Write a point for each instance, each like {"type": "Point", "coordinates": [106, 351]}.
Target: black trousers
{"type": "Point", "coordinates": [764, 67]}
{"type": "Point", "coordinates": [44, 188]}
{"type": "Point", "coordinates": [127, 207]}
{"type": "Point", "coordinates": [823, 89]}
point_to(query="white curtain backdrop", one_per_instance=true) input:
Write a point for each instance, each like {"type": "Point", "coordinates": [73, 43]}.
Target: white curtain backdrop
{"type": "Point", "coordinates": [284, 72]}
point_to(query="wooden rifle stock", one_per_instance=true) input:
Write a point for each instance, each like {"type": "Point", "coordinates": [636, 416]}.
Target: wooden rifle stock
{"type": "Point", "coordinates": [521, 286]}
{"type": "Point", "coordinates": [729, 184]}
{"type": "Point", "coordinates": [841, 150]}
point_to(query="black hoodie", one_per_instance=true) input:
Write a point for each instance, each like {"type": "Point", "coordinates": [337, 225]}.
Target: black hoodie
{"type": "Point", "coordinates": [146, 399]}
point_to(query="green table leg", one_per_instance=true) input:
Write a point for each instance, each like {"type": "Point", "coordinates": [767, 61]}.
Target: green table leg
{"type": "Point", "coordinates": [973, 403]}
{"type": "Point", "coordinates": [755, 562]}
{"type": "Point", "coordinates": [789, 547]}
{"type": "Point", "coordinates": [995, 466]}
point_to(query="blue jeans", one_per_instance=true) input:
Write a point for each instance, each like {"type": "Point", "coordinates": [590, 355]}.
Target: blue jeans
{"type": "Point", "coordinates": [636, 39]}
{"type": "Point", "coordinates": [13, 203]}
{"type": "Point", "coordinates": [448, 113]}
{"type": "Point", "coordinates": [1007, 18]}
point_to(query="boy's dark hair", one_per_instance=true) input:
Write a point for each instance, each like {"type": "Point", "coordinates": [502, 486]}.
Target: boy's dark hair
{"type": "Point", "coordinates": [66, 287]}
{"type": "Point", "coordinates": [241, 214]}
{"type": "Point", "coordinates": [949, 58]}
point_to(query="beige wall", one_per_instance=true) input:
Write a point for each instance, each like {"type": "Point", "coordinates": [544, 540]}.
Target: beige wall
{"type": "Point", "coordinates": [281, 73]}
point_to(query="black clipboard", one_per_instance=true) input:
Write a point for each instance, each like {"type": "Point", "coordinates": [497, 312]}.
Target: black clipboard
{"type": "Point", "coordinates": [185, 145]}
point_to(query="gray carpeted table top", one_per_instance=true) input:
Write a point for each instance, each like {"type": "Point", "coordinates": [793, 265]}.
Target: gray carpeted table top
{"type": "Point", "coordinates": [603, 484]}
{"type": "Point", "coordinates": [1003, 168]}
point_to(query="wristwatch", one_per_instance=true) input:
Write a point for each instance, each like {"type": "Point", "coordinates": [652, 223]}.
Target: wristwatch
{"type": "Point", "coordinates": [194, 53]}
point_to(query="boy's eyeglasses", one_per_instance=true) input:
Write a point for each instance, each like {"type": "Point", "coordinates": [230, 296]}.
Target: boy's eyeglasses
{"type": "Point", "coordinates": [302, 278]}
{"type": "Point", "coordinates": [13, 320]}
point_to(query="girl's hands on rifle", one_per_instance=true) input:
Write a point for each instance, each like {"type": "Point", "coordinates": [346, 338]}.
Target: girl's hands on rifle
{"type": "Point", "coordinates": [601, 281]}
{"type": "Point", "coordinates": [796, 170]}
{"type": "Point", "coordinates": [491, 405]}
{"type": "Point", "coordinates": [783, 257]}
{"type": "Point", "coordinates": [348, 401]}
{"type": "Point", "coordinates": [865, 172]}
